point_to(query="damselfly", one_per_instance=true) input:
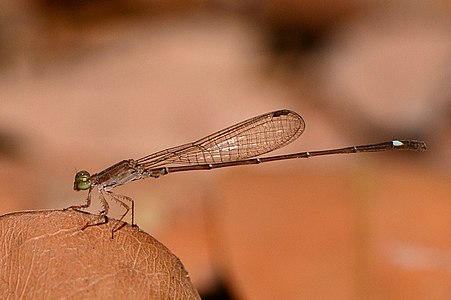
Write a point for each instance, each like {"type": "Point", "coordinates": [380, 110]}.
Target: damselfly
{"type": "Point", "coordinates": [239, 144]}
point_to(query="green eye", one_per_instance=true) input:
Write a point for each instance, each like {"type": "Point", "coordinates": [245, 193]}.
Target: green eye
{"type": "Point", "coordinates": [82, 181]}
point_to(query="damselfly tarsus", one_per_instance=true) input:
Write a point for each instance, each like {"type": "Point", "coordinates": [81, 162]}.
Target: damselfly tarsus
{"type": "Point", "coordinates": [239, 144]}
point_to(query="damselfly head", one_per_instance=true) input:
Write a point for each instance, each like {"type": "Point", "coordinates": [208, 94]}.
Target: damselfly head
{"type": "Point", "coordinates": [82, 181]}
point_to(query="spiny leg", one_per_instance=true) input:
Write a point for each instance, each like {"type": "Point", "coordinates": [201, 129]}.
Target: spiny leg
{"type": "Point", "coordinates": [120, 199]}
{"type": "Point", "coordinates": [104, 203]}
{"type": "Point", "coordinates": [103, 218]}
{"type": "Point", "coordinates": [83, 206]}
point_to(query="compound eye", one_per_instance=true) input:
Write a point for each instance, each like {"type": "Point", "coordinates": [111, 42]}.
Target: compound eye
{"type": "Point", "coordinates": [82, 181]}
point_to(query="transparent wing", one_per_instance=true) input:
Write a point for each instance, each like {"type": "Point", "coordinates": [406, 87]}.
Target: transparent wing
{"type": "Point", "coordinates": [250, 138]}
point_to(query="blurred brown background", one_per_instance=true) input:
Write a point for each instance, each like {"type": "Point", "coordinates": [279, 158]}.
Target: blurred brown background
{"type": "Point", "coordinates": [85, 84]}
